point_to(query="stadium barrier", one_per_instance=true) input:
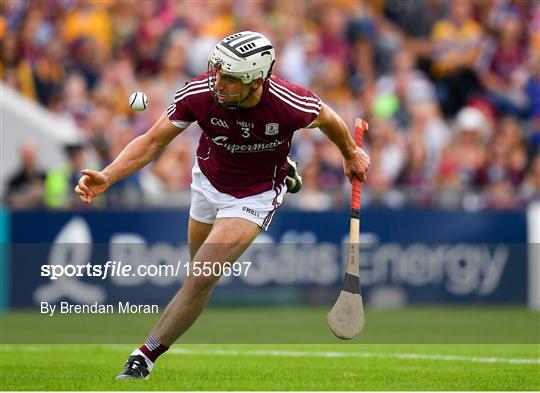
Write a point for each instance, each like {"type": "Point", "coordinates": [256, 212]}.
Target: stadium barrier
{"type": "Point", "coordinates": [533, 230]}
{"type": "Point", "coordinates": [408, 256]}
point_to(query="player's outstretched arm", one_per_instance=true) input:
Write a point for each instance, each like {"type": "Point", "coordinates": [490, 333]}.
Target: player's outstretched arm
{"type": "Point", "coordinates": [138, 153]}
{"type": "Point", "coordinates": [356, 161]}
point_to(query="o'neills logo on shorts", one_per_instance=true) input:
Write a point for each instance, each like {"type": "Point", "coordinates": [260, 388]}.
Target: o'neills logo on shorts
{"type": "Point", "coordinates": [248, 148]}
{"type": "Point", "coordinates": [251, 211]}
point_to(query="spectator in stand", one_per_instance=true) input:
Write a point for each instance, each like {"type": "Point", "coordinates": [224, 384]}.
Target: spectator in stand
{"type": "Point", "coordinates": [60, 181]}
{"type": "Point", "coordinates": [16, 70]}
{"type": "Point", "coordinates": [332, 44]}
{"type": "Point", "coordinates": [90, 19]}
{"type": "Point", "coordinates": [147, 44]}
{"type": "Point", "coordinates": [298, 47]}
{"type": "Point", "coordinates": [312, 198]}
{"type": "Point", "coordinates": [217, 18]}
{"type": "Point", "coordinates": [330, 166]}
{"type": "Point", "coordinates": [76, 102]}
{"type": "Point", "coordinates": [506, 73]}
{"type": "Point", "coordinates": [332, 82]}
{"type": "Point", "coordinates": [405, 83]}
{"type": "Point", "coordinates": [25, 187]}
{"type": "Point", "coordinates": [509, 133]}
{"type": "Point", "coordinates": [530, 189]}
{"type": "Point", "coordinates": [456, 42]}
{"type": "Point", "coordinates": [117, 81]}
{"type": "Point", "coordinates": [414, 178]}
{"type": "Point", "coordinates": [362, 67]}
{"type": "Point", "coordinates": [128, 191]}
{"type": "Point", "coordinates": [415, 19]}
{"type": "Point", "coordinates": [49, 72]}
{"type": "Point", "coordinates": [173, 64]}
{"type": "Point", "coordinates": [124, 19]}
{"type": "Point", "coordinates": [427, 127]}
{"type": "Point", "coordinates": [532, 89]}
{"type": "Point", "coordinates": [87, 60]}
{"type": "Point", "coordinates": [507, 154]}
{"type": "Point", "coordinates": [169, 177]}
{"type": "Point", "coordinates": [30, 33]}
{"type": "Point", "coordinates": [98, 130]}
{"type": "Point", "coordinates": [463, 163]}
{"type": "Point", "coordinates": [497, 12]}
{"type": "Point", "coordinates": [500, 195]}
{"type": "Point", "coordinates": [386, 149]}
{"type": "Point", "coordinates": [517, 165]}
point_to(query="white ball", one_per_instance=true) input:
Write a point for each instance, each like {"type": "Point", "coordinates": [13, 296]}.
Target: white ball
{"type": "Point", "coordinates": [138, 101]}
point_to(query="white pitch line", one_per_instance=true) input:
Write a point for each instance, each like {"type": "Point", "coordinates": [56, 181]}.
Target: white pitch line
{"type": "Point", "coordinates": [326, 354]}
{"type": "Point", "coordinates": [381, 355]}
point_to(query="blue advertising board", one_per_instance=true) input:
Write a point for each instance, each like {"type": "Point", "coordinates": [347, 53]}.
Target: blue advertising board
{"type": "Point", "coordinates": [4, 266]}
{"type": "Point", "coordinates": [408, 256]}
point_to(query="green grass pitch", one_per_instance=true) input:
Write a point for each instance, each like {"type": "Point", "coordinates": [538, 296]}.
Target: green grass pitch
{"type": "Point", "coordinates": [276, 367]}
{"type": "Point", "coordinates": [366, 364]}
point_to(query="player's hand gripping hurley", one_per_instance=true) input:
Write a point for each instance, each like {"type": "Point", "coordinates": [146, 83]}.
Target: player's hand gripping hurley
{"type": "Point", "coordinates": [346, 319]}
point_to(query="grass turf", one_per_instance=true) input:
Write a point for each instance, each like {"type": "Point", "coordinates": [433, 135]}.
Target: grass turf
{"type": "Point", "coordinates": [291, 325]}
{"type": "Point", "coordinates": [276, 367]}
{"type": "Point", "coordinates": [462, 349]}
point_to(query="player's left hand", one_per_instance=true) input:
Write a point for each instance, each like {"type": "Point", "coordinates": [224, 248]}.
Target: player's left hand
{"type": "Point", "coordinates": [357, 165]}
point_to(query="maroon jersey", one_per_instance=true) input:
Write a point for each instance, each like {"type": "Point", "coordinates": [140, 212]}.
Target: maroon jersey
{"type": "Point", "coordinates": [243, 152]}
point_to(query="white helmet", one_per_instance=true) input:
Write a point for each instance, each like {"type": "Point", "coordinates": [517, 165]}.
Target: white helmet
{"type": "Point", "coordinates": [246, 55]}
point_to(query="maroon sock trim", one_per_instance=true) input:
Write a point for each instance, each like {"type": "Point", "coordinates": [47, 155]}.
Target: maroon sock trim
{"type": "Point", "coordinates": [153, 354]}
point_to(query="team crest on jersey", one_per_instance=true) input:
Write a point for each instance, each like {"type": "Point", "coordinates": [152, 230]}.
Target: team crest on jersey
{"type": "Point", "coordinates": [272, 129]}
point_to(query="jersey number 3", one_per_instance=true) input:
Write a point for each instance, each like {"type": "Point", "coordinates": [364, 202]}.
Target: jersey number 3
{"type": "Point", "coordinates": [245, 132]}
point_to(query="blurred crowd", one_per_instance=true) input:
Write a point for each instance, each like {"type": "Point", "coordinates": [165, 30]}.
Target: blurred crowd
{"type": "Point", "coordinates": [451, 90]}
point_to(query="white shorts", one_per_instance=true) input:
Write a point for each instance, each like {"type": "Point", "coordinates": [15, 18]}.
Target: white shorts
{"type": "Point", "coordinates": [207, 203]}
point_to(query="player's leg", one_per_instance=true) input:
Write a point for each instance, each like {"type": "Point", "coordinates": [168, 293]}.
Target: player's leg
{"type": "Point", "coordinates": [202, 215]}
{"type": "Point", "coordinates": [197, 234]}
{"type": "Point", "coordinates": [234, 224]}
{"type": "Point", "coordinates": [227, 240]}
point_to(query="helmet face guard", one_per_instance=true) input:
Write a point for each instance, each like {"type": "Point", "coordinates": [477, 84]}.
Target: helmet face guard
{"type": "Point", "coordinates": [229, 101]}
{"type": "Point", "coordinates": [245, 56]}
